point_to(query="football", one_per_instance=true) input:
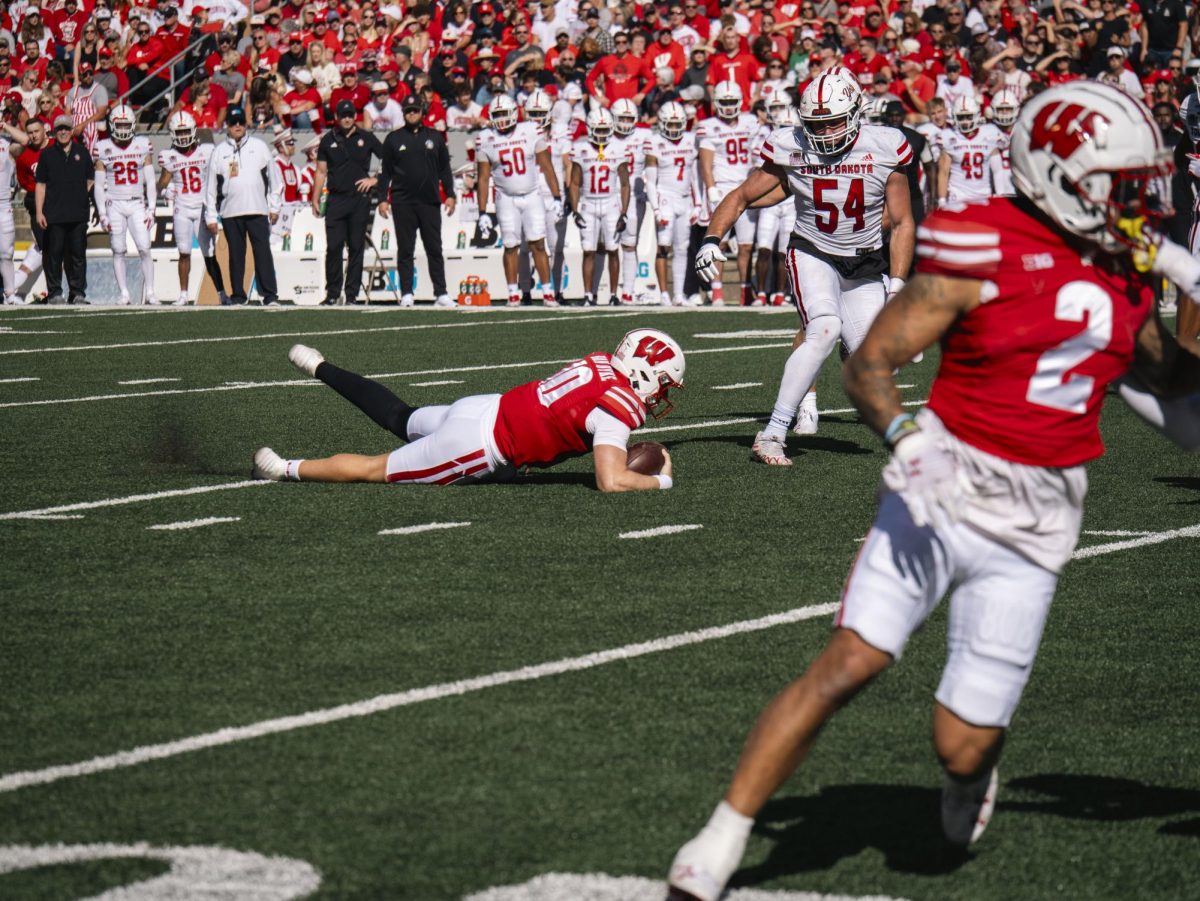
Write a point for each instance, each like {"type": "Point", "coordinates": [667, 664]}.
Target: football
{"type": "Point", "coordinates": [646, 457]}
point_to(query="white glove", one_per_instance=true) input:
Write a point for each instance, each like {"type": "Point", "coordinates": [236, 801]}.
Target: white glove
{"type": "Point", "coordinates": [557, 208]}
{"type": "Point", "coordinates": [1194, 165]}
{"type": "Point", "coordinates": [709, 260]}
{"type": "Point", "coordinates": [928, 479]}
{"type": "Point", "coordinates": [487, 227]}
{"type": "Point", "coordinates": [105, 224]}
{"type": "Point", "coordinates": [894, 285]}
{"type": "Point", "coordinates": [714, 197]}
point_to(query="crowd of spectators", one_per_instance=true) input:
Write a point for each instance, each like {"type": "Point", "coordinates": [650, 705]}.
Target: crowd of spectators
{"type": "Point", "coordinates": [290, 64]}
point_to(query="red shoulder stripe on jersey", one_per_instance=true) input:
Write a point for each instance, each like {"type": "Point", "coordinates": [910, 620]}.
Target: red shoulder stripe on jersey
{"type": "Point", "coordinates": [905, 160]}
{"type": "Point", "coordinates": [958, 234]}
{"type": "Point", "coordinates": [620, 403]}
{"type": "Point", "coordinates": [768, 151]}
{"type": "Point", "coordinates": [904, 148]}
{"type": "Point", "coordinates": [627, 397]}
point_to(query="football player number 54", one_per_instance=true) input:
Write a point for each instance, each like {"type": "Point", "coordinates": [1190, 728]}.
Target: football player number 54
{"type": "Point", "coordinates": [1051, 385]}
{"type": "Point", "coordinates": [825, 196]}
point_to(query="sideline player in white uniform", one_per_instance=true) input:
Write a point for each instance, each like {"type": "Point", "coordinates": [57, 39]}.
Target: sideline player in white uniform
{"type": "Point", "coordinates": [599, 176]}
{"type": "Point", "coordinates": [12, 142]}
{"type": "Point", "coordinates": [671, 193]}
{"type": "Point", "coordinates": [725, 161]}
{"type": "Point", "coordinates": [1005, 107]}
{"type": "Point", "coordinates": [284, 179]}
{"type": "Point", "coordinates": [843, 176]}
{"type": "Point", "coordinates": [512, 152]}
{"type": "Point", "coordinates": [538, 107]}
{"type": "Point", "coordinates": [184, 166]}
{"type": "Point", "coordinates": [962, 166]}
{"type": "Point", "coordinates": [775, 223]}
{"type": "Point", "coordinates": [125, 196]}
{"type": "Point", "coordinates": [632, 138]}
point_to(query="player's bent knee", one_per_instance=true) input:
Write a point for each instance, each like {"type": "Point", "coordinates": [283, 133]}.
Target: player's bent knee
{"type": "Point", "coordinates": [965, 750]}
{"type": "Point", "coordinates": [847, 665]}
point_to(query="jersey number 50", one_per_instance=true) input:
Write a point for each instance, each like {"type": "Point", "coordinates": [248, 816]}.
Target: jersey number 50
{"type": "Point", "coordinates": [512, 161]}
{"type": "Point", "coordinates": [853, 208]}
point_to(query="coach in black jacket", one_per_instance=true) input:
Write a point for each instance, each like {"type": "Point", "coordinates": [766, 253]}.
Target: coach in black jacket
{"type": "Point", "coordinates": [415, 160]}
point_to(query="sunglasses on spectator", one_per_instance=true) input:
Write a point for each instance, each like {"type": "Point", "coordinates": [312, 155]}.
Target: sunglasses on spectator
{"type": "Point", "coordinates": [45, 103]}
{"type": "Point", "coordinates": [143, 33]}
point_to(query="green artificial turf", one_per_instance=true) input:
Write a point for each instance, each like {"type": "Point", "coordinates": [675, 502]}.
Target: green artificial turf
{"type": "Point", "coordinates": [118, 637]}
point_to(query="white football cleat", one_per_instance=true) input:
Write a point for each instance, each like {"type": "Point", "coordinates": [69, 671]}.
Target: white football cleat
{"type": "Point", "coordinates": [182, 300]}
{"type": "Point", "coordinates": [268, 465]}
{"type": "Point", "coordinates": [967, 808]}
{"type": "Point", "coordinates": [406, 300]}
{"type": "Point", "coordinates": [806, 421]}
{"type": "Point", "coordinates": [703, 866]}
{"type": "Point", "coordinates": [306, 359]}
{"type": "Point", "coordinates": [123, 300]}
{"type": "Point", "coordinates": [693, 300]}
{"type": "Point", "coordinates": [442, 301]}
{"type": "Point", "coordinates": [151, 300]}
{"type": "Point", "coordinates": [769, 449]}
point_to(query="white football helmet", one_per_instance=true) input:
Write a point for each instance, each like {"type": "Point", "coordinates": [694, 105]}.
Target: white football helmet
{"type": "Point", "coordinates": [1005, 106]}
{"type": "Point", "coordinates": [1087, 154]}
{"type": "Point", "coordinates": [777, 101]}
{"type": "Point", "coordinates": [672, 121]}
{"type": "Point", "coordinates": [727, 100]}
{"type": "Point", "coordinates": [502, 113]}
{"type": "Point", "coordinates": [653, 362]}
{"type": "Point", "coordinates": [600, 125]}
{"type": "Point", "coordinates": [183, 130]}
{"type": "Point", "coordinates": [537, 108]}
{"type": "Point", "coordinates": [831, 102]}
{"type": "Point", "coordinates": [965, 115]}
{"type": "Point", "coordinates": [121, 123]}
{"type": "Point", "coordinates": [874, 109]}
{"type": "Point", "coordinates": [787, 117]}
{"type": "Point", "coordinates": [625, 113]}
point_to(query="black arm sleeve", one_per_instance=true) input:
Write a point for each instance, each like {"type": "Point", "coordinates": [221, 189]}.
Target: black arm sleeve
{"type": "Point", "coordinates": [444, 172]}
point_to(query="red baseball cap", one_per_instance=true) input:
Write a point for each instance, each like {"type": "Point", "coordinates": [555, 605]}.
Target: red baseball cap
{"type": "Point", "coordinates": [485, 8]}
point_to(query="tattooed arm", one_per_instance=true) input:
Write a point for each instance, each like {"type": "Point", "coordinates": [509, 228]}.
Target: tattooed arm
{"type": "Point", "coordinates": [920, 314]}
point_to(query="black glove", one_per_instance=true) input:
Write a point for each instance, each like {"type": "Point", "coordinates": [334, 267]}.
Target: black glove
{"type": "Point", "coordinates": [621, 223]}
{"type": "Point", "coordinates": [579, 220]}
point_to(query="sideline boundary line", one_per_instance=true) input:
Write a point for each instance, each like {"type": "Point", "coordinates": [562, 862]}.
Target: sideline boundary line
{"type": "Point", "coordinates": [307, 382]}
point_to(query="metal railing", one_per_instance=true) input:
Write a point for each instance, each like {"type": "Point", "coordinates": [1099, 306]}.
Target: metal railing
{"type": "Point", "coordinates": [172, 81]}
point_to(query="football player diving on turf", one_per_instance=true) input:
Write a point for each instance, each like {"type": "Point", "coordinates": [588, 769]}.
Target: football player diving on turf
{"type": "Point", "coordinates": [1039, 301]}
{"type": "Point", "coordinates": [592, 404]}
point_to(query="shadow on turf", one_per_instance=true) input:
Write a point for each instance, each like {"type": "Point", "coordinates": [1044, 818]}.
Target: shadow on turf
{"type": "Point", "coordinates": [1106, 799]}
{"type": "Point", "coordinates": [1190, 483]}
{"type": "Point", "coordinates": [815, 832]}
{"type": "Point", "coordinates": [795, 443]}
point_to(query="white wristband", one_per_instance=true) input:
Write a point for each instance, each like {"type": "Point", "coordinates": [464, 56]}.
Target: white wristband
{"type": "Point", "coordinates": [664, 482]}
{"type": "Point", "coordinates": [1175, 263]}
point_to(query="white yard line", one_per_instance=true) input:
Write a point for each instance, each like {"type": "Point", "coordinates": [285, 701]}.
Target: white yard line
{"type": "Point", "coordinates": [305, 382]}
{"type": "Point", "coordinates": [661, 530]}
{"type": "Point", "coordinates": [905, 386]}
{"type": "Point", "coordinates": [194, 523]}
{"type": "Point", "coordinates": [736, 386]}
{"type": "Point", "coordinates": [132, 499]}
{"type": "Point", "coordinates": [427, 527]}
{"type": "Point", "coordinates": [491, 323]}
{"type": "Point", "coordinates": [381, 703]}
{"type": "Point", "coordinates": [755, 333]}
{"type": "Point", "coordinates": [14, 381]}
{"type": "Point", "coordinates": [53, 516]}
{"type": "Point", "coordinates": [147, 381]}
{"type": "Point", "coordinates": [438, 382]}
{"type": "Point", "coordinates": [1114, 533]}
{"type": "Point", "coordinates": [1150, 538]}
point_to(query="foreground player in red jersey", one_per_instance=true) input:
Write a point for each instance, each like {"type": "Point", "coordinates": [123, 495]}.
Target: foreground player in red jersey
{"type": "Point", "coordinates": [592, 404]}
{"type": "Point", "coordinates": [1039, 301]}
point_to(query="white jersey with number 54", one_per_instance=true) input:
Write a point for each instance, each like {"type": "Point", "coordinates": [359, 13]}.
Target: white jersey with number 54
{"type": "Point", "coordinates": [188, 172]}
{"type": "Point", "coordinates": [513, 157]}
{"type": "Point", "coordinates": [839, 198]}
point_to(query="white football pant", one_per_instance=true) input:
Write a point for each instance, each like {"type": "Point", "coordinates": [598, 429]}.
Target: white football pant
{"type": "Point", "coordinates": [190, 228]}
{"type": "Point", "coordinates": [676, 211]}
{"type": "Point", "coordinates": [521, 218]}
{"type": "Point", "coordinates": [128, 217]}
{"type": "Point", "coordinates": [7, 247]}
{"type": "Point", "coordinates": [449, 443]}
{"type": "Point", "coordinates": [599, 224]}
{"type": "Point", "coordinates": [629, 241]}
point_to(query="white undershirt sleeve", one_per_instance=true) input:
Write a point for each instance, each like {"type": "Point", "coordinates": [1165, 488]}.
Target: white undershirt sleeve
{"type": "Point", "coordinates": [607, 429]}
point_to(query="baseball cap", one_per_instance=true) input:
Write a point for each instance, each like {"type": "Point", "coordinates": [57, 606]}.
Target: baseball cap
{"type": "Point", "coordinates": [279, 134]}
{"type": "Point", "coordinates": [412, 101]}
{"type": "Point", "coordinates": [562, 29]}
{"type": "Point", "coordinates": [458, 72]}
{"type": "Point", "coordinates": [380, 87]}
{"type": "Point", "coordinates": [235, 116]}
{"type": "Point", "coordinates": [104, 53]}
{"type": "Point", "coordinates": [12, 97]}
{"type": "Point", "coordinates": [296, 38]}
{"type": "Point", "coordinates": [302, 75]}
{"type": "Point", "coordinates": [486, 8]}
{"type": "Point", "coordinates": [350, 69]}
{"type": "Point", "coordinates": [953, 65]}
{"type": "Point", "coordinates": [85, 67]}
{"type": "Point", "coordinates": [258, 20]}
{"type": "Point", "coordinates": [346, 108]}
{"type": "Point", "coordinates": [1115, 51]}
{"type": "Point", "coordinates": [63, 122]}
{"type": "Point", "coordinates": [592, 13]}
{"type": "Point", "coordinates": [102, 13]}
{"type": "Point", "coordinates": [979, 28]}
{"type": "Point", "coordinates": [486, 53]}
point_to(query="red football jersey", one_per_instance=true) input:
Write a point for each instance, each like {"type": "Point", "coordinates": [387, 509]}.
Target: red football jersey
{"type": "Point", "coordinates": [540, 423]}
{"type": "Point", "coordinates": [1023, 375]}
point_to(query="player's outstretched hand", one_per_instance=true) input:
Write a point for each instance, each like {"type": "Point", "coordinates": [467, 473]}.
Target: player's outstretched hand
{"type": "Point", "coordinates": [557, 209]}
{"type": "Point", "coordinates": [709, 260]}
{"type": "Point", "coordinates": [1144, 239]}
{"type": "Point", "coordinates": [927, 476]}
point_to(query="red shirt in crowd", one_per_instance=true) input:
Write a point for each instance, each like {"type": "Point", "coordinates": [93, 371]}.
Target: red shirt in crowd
{"type": "Point", "coordinates": [622, 78]}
